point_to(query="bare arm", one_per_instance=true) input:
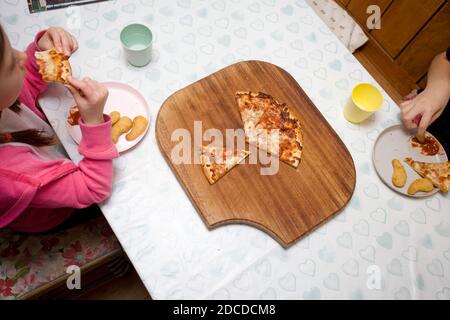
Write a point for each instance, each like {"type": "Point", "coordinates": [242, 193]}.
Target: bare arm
{"type": "Point", "coordinates": [430, 103]}
{"type": "Point", "coordinates": [438, 80]}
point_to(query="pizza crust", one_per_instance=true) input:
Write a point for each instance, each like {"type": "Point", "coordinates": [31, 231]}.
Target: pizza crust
{"type": "Point", "coordinates": [53, 66]}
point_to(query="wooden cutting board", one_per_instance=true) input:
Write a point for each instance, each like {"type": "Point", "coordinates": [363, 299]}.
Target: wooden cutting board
{"type": "Point", "coordinates": [288, 204]}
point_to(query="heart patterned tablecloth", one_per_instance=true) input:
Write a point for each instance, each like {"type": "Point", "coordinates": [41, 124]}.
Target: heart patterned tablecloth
{"type": "Point", "coordinates": [381, 246]}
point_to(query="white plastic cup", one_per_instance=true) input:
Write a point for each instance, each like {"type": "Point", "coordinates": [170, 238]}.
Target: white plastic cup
{"type": "Point", "coordinates": [137, 42]}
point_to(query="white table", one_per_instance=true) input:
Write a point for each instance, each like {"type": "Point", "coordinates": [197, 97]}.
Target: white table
{"type": "Point", "coordinates": [407, 241]}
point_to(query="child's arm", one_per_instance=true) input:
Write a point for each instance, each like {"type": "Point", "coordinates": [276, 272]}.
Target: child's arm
{"type": "Point", "coordinates": [33, 84]}
{"type": "Point", "coordinates": [92, 182]}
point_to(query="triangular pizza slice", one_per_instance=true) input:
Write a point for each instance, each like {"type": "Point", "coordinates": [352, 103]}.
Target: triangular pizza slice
{"type": "Point", "coordinates": [217, 161]}
{"type": "Point", "coordinates": [271, 126]}
{"type": "Point", "coordinates": [437, 172]}
{"type": "Point", "coordinates": [53, 65]}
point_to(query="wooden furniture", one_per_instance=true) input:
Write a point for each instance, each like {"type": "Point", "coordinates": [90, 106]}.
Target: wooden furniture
{"type": "Point", "coordinates": [291, 202]}
{"type": "Point", "coordinates": [412, 33]}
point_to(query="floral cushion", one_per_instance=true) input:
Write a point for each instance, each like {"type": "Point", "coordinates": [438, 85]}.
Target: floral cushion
{"type": "Point", "coordinates": [30, 261]}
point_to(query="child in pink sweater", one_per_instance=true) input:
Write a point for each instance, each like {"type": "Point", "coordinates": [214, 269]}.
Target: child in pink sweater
{"type": "Point", "coordinates": [39, 186]}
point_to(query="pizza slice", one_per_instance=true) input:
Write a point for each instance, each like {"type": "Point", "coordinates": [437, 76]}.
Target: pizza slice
{"type": "Point", "coordinates": [271, 126]}
{"type": "Point", "coordinates": [74, 116]}
{"type": "Point", "coordinates": [437, 172]}
{"type": "Point", "coordinates": [53, 65]}
{"type": "Point", "coordinates": [251, 106]}
{"type": "Point", "coordinates": [217, 161]}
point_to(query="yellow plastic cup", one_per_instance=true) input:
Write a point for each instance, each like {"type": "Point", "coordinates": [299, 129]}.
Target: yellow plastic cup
{"type": "Point", "coordinates": [365, 100]}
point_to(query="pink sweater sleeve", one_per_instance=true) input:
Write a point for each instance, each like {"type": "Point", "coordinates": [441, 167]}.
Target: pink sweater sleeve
{"type": "Point", "coordinates": [92, 181]}
{"type": "Point", "coordinates": [33, 84]}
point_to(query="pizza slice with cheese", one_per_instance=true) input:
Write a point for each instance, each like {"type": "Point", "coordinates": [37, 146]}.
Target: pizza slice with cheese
{"type": "Point", "coordinates": [437, 172]}
{"type": "Point", "coordinates": [217, 161]}
{"type": "Point", "coordinates": [271, 126]}
{"type": "Point", "coordinates": [53, 65]}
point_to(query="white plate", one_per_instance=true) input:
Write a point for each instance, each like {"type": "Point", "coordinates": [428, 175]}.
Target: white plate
{"type": "Point", "coordinates": [129, 102]}
{"type": "Point", "coordinates": [394, 143]}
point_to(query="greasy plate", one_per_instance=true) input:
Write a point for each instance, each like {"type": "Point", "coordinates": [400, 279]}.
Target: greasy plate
{"type": "Point", "coordinates": [394, 143]}
{"type": "Point", "coordinates": [129, 102]}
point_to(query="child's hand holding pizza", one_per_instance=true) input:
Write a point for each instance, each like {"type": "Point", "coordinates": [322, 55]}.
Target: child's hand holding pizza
{"type": "Point", "coordinates": [90, 97]}
{"type": "Point", "coordinates": [55, 47]}
{"type": "Point", "coordinates": [59, 39]}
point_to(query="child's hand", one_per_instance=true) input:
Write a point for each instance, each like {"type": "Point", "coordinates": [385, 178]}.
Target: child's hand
{"type": "Point", "coordinates": [59, 39]}
{"type": "Point", "coordinates": [421, 112]}
{"type": "Point", "coordinates": [90, 97]}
